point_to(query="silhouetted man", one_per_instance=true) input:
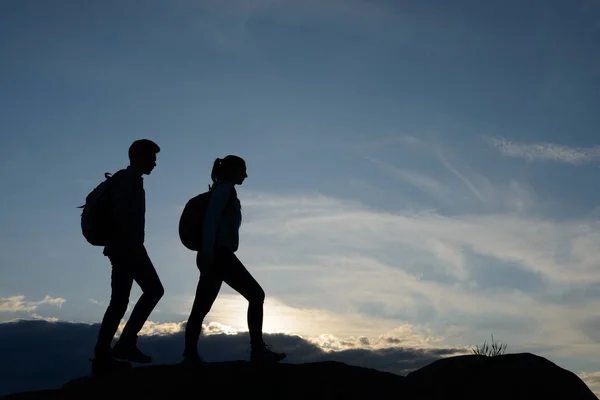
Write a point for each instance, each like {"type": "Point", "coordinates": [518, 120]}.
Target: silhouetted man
{"type": "Point", "coordinates": [130, 262]}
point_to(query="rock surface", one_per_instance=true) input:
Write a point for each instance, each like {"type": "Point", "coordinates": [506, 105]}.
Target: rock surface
{"type": "Point", "coordinates": [511, 376]}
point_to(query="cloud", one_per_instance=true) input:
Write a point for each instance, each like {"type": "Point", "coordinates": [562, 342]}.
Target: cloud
{"type": "Point", "coordinates": [452, 256]}
{"type": "Point", "coordinates": [333, 226]}
{"type": "Point", "coordinates": [18, 303]}
{"type": "Point", "coordinates": [525, 279]}
{"type": "Point", "coordinates": [416, 179]}
{"type": "Point", "coordinates": [447, 179]}
{"type": "Point", "coordinates": [510, 196]}
{"type": "Point", "coordinates": [60, 351]}
{"type": "Point", "coordinates": [592, 380]}
{"type": "Point", "coordinates": [335, 267]}
{"type": "Point", "coordinates": [152, 328]}
{"type": "Point", "coordinates": [474, 190]}
{"type": "Point", "coordinates": [319, 325]}
{"type": "Point", "coordinates": [546, 151]}
{"type": "Point", "coordinates": [405, 336]}
{"type": "Point", "coordinates": [96, 302]}
{"type": "Point", "coordinates": [401, 140]}
{"type": "Point", "coordinates": [44, 318]}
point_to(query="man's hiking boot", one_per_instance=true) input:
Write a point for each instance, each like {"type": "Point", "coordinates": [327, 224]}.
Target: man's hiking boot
{"type": "Point", "coordinates": [106, 365]}
{"type": "Point", "coordinates": [263, 353]}
{"type": "Point", "coordinates": [130, 352]}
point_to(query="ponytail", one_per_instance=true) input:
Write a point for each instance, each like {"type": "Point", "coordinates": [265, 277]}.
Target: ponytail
{"type": "Point", "coordinates": [216, 173]}
{"type": "Point", "coordinates": [223, 168]}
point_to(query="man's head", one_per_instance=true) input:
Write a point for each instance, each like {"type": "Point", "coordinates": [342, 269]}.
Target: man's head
{"type": "Point", "coordinates": [142, 155]}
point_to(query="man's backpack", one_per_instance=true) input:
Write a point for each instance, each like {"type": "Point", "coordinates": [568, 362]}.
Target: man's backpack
{"type": "Point", "coordinates": [192, 220]}
{"type": "Point", "coordinates": [95, 217]}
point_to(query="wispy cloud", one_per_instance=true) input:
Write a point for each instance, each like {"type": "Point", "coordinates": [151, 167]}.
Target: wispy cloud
{"type": "Point", "coordinates": [403, 140]}
{"type": "Point", "coordinates": [420, 267]}
{"type": "Point", "coordinates": [472, 188]}
{"type": "Point", "coordinates": [546, 151]}
{"type": "Point", "coordinates": [18, 303]}
{"type": "Point", "coordinates": [457, 185]}
{"type": "Point", "coordinates": [492, 197]}
{"type": "Point", "coordinates": [413, 178]}
{"type": "Point", "coordinates": [322, 221]}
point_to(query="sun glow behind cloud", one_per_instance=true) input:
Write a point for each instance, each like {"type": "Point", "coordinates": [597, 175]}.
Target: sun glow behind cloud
{"type": "Point", "coordinates": [231, 310]}
{"type": "Point", "coordinates": [332, 266]}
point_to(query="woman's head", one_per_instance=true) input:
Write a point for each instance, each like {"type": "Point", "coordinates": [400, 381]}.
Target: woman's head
{"type": "Point", "coordinates": [231, 168]}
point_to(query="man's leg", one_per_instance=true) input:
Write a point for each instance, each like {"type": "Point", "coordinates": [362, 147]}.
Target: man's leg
{"type": "Point", "coordinates": [121, 282]}
{"type": "Point", "coordinates": [152, 291]}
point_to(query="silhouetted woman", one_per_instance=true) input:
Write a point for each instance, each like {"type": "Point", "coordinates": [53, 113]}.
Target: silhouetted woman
{"type": "Point", "coordinates": [218, 263]}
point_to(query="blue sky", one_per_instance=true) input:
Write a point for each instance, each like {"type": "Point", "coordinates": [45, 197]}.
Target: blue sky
{"type": "Point", "coordinates": [418, 171]}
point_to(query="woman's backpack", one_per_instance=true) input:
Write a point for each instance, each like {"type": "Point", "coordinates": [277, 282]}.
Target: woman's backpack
{"type": "Point", "coordinates": [192, 220]}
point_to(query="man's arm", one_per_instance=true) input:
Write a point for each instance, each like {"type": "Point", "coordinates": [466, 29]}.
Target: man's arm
{"type": "Point", "coordinates": [122, 202]}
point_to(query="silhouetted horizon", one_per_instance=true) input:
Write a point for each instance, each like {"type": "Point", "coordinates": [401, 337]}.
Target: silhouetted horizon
{"type": "Point", "coordinates": [419, 174]}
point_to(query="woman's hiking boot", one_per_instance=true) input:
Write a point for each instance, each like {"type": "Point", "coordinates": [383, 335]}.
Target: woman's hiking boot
{"type": "Point", "coordinates": [263, 353]}
{"type": "Point", "coordinates": [129, 351]}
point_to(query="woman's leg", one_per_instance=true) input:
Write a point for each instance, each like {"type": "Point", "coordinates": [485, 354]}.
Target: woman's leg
{"type": "Point", "coordinates": [236, 275]}
{"type": "Point", "coordinates": [206, 293]}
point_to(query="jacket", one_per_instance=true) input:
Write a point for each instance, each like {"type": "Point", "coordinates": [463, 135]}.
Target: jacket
{"type": "Point", "coordinates": [128, 209]}
{"type": "Point", "coordinates": [223, 219]}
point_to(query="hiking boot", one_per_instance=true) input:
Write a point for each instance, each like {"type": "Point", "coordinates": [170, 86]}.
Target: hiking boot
{"type": "Point", "coordinates": [263, 353]}
{"type": "Point", "coordinates": [105, 365]}
{"type": "Point", "coordinates": [130, 352]}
